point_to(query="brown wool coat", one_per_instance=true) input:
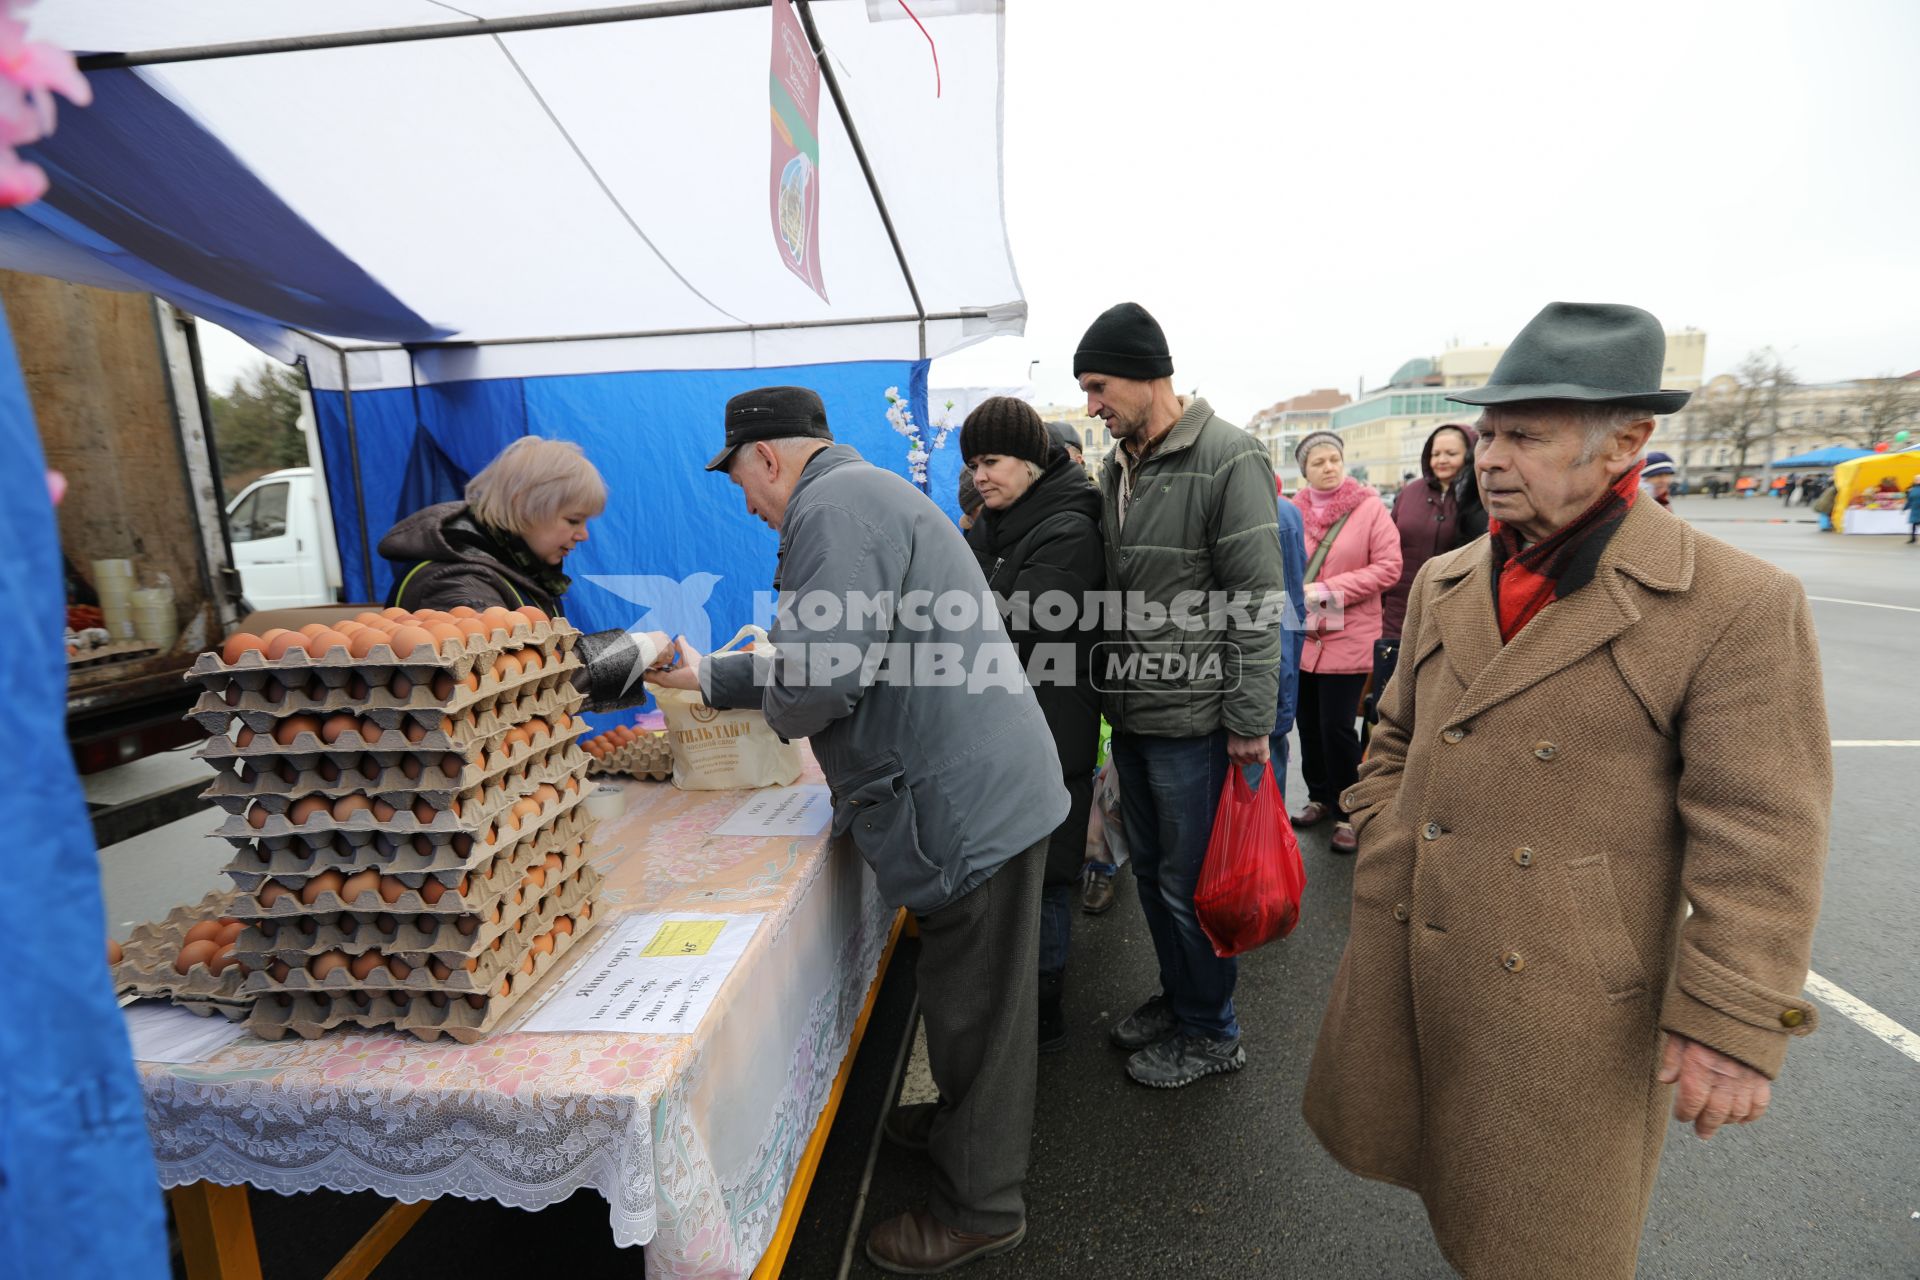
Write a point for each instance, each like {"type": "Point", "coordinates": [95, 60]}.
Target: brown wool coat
{"type": "Point", "coordinates": [1533, 820]}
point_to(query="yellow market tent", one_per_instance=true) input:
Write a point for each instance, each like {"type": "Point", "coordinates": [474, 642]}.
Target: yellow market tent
{"type": "Point", "coordinates": [1862, 474]}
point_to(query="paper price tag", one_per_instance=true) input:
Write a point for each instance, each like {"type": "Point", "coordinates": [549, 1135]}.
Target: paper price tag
{"type": "Point", "coordinates": [684, 938]}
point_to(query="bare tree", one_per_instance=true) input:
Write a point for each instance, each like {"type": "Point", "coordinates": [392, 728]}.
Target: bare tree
{"type": "Point", "coordinates": [1882, 407]}
{"type": "Point", "coordinates": [1744, 414]}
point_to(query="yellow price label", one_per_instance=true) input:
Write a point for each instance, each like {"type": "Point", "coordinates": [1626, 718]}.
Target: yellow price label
{"type": "Point", "coordinates": [684, 938]}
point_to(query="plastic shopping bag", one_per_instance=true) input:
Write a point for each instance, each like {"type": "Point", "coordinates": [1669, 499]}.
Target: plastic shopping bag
{"type": "Point", "coordinates": [717, 750]}
{"type": "Point", "coordinates": [1249, 890]}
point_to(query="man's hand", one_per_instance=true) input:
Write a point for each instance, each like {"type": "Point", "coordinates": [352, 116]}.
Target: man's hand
{"type": "Point", "coordinates": [1711, 1088]}
{"type": "Point", "coordinates": [1246, 751]}
{"type": "Point", "coordinates": [684, 676]}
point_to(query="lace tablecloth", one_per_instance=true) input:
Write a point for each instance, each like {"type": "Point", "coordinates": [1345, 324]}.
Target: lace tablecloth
{"type": "Point", "coordinates": [693, 1140]}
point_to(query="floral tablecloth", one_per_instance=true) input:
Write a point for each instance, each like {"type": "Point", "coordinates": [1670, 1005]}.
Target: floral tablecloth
{"type": "Point", "coordinates": [693, 1140]}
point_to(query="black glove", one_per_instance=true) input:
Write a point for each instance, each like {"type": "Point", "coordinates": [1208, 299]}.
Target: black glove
{"type": "Point", "coordinates": [610, 671]}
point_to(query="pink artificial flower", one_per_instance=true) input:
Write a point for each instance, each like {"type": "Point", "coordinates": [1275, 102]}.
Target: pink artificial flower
{"type": "Point", "coordinates": [38, 66]}
{"type": "Point", "coordinates": [56, 486]}
{"type": "Point", "coordinates": [21, 181]}
{"type": "Point", "coordinates": [30, 74]}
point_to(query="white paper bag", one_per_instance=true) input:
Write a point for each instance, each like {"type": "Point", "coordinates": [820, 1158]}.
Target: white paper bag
{"type": "Point", "coordinates": [724, 750]}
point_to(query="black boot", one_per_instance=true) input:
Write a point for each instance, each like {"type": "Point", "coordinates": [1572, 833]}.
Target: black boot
{"type": "Point", "coordinates": [1053, 1018]}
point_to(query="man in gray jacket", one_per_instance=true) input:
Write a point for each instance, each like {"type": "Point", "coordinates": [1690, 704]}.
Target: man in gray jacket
{"type": "Point", "coordinates": [944, 777]}
{"type": "Point", "coordinates": [1191, 681]}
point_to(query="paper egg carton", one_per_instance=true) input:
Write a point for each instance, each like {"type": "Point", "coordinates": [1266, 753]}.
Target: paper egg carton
{"type": "Point", "coordinates": [214, 713]}
{"type": "Point", "coordinates": [549, 829]}
{"type": "Point", "coordinates": [489, 885]}
{"type": "Point", "coordinates": [412, 774]}
{"type": "Point", "coordinates": [292, 856]}
{"type": "Point", "coordinates": [337, 667]}
{"type": "Point", "coordinates": [648, 756]}
{"type": "Point", "coordinates": [464, 1018]}
{"type": "Point", "coordinates": [415, 729]}
{"type": "Point", "coordinates": [503, 951]}
{"type": "Point", "coordinates": [146, 963]}
{"type": "Point", "coordinates": [478, 805]}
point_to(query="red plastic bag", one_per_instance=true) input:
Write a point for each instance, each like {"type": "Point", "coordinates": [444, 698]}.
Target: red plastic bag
{"type": "Point", "coordinates": [1249, 890]}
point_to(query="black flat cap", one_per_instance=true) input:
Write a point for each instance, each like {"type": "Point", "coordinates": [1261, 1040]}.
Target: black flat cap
{"type": "Point", "coordinates": [771, 413]}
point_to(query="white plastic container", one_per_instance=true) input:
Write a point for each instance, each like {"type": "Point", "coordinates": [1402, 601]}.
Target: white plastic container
{"type": "Point", "coordinates": [154, 621]}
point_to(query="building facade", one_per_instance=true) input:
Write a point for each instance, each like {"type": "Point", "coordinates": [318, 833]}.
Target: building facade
{"type": "Point", "coordinates": [1281, 427]}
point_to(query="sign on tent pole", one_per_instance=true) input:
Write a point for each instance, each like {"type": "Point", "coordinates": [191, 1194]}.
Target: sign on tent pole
{"type": "Point", "coordinates": [795, 169]}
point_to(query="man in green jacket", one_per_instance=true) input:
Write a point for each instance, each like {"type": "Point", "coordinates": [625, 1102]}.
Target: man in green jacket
{"type": "Point", "coordinates": [1190, 679]}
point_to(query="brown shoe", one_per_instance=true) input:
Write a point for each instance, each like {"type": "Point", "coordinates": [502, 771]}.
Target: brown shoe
{"type": "Point", "coordinates": [1344, 840]}
{"type": "Point", "coordinates": [918, 1244]}
{"type": "Point", "coordinates": [1312, 814]}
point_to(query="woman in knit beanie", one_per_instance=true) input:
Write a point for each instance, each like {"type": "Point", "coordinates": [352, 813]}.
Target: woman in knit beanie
{"type": "Point", "coordinates": [1039, 535]}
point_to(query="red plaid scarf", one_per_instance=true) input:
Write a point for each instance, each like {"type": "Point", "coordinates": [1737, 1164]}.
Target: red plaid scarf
{"type": "Point", "coordinates": [1525, 582]}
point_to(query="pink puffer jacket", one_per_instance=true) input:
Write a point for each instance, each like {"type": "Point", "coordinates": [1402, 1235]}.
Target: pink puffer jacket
{"type": "Point", "coordinates": [1364, 562]}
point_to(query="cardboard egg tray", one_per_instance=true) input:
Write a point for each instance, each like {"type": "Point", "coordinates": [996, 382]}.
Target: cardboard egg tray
{"type": "Point", "coordinates": [293, 856]}
{"type": "Point", "coordinates": [442, 732]}
{"type": "Point", "coordinates": [462, 1018]}
{"type": "Point", "coordinates": [393, 932]}
{"type": "Point", "coordinates": [337, 667]}
{"type": "Point", "coordinates": [387, 774]}
{"type": "Point", "coordinates": [285, 865]}
{"type": "Point", "coordinates": [494, 948]}
{"type": "Point", "coordinates": [146, 964]}
{"type": "Point", "coordinates": [479, 802]}
{"type": "Point", "coordinates": [648, 756]}
{"type": "Point", "coordinates": [213, 711]}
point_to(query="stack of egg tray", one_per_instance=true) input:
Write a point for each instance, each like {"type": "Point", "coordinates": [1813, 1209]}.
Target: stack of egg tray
{"type": "Point", "coordinates": [146, 969]}
{"type": "Point", "coordinates": [464, 879]}
{"type": "Point", "coordinates": [647, 756]}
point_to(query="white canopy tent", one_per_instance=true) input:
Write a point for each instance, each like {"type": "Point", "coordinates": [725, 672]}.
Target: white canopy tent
{"type": "Point", "coordinates": [547, 190]}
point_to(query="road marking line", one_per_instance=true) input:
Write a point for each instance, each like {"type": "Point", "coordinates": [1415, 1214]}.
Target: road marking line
{"type": "Point", "coordinates": [1866, 604]}
{"type": "Point", "coordinates": [1875, 742]}
{"type": "Point", "coordinates": [1864, 1014]}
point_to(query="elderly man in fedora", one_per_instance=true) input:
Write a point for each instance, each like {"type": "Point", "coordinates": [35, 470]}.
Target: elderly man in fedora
{"type": "Point", "coordinates": [1565, 763]}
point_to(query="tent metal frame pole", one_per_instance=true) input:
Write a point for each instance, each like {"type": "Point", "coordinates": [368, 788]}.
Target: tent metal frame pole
{"type": "Point", "coordinates": [353, 452]}
{"type": "Point", "coordinates": [404, 35]}
{"type": "Point", "coordinates": [866, 166]}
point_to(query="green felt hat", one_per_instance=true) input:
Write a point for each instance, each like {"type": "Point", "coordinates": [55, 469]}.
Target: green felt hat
{"type": "Point", "coordinates": [1596, 352]}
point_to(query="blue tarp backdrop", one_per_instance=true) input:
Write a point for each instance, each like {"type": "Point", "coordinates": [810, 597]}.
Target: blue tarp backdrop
{"type": "Point", "coordinates": [675, 546]}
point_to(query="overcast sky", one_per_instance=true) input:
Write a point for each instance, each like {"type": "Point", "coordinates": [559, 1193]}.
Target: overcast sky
{"type": "Point", "coordinates": [1306, 195]}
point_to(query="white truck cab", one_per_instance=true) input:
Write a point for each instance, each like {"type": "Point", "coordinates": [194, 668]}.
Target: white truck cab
{"type": "Point", "coordinates": [282, 537]}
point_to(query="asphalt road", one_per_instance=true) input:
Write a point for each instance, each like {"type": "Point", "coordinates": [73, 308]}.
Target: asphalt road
{"type": "Point", "coordinates": [1223, 1178]}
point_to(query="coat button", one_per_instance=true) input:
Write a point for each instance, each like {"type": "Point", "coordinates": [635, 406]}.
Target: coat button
{"type": "Point", "coordinates": [1453, 736]}
{"type": "Point", "coordinates": [1523, 857]}
{"type": "Point", "coordinates": [1545, 750]}
{"type": "Point", "coordinates": [1791, 1017]}
{"type": "Point", "coordinates": [1400, 913]}
{"type": "Point", "coordinates": [1432, 831]}
{"type": "Point", "coordinates": [1513, 962]}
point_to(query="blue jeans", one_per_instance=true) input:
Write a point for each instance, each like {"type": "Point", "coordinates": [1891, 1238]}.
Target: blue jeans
{"type": "Point", "coordinates": [1056, 928]}
{"type": "Point", "coordinates": [1169, 789]}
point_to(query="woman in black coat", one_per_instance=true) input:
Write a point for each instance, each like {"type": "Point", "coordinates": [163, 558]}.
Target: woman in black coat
{"type": "Point", "coordinates": [1040, 533]}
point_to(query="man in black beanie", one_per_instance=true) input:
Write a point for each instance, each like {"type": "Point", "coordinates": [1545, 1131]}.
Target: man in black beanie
{"type": "Point", "coordinates": [1188, 507]}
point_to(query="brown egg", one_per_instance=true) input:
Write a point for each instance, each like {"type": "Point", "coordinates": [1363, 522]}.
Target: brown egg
{"type": "Point", "coordinates": [395, 613]}
{"type": "Point", "coordinates": [368, 619]}
{"type": "Point", "coordinates": [543, 944]}
{"type": "Point", "coordinates": [278, 970]}
{"type": "Point", "coordinates": [423, 811]}
{"type": "Point", "coordinates": [500, 619]}
{"type": "Point", "coordinates": [348, 805]}
{"type": "Point", "coordinates": [240, 644]}
{"type": "Point", "coordinates": [334, 725]}
{"type": "Point", "coordinates": [506, 667]}
{"type": "Point", "coordinates": [438, 968]}
{"type": "Point", "coordinates": [498, 942]}
{"type": "Point", "coordinates": [383, 811]}
{"type": "Point", "coordinates": [365, 963]}
{"type": "Point", "coordinates": [363, 643]}
{"type": "Point", "coordinates": [442, 686]}
{"type": "Point", "coordinates": [531, 661]}
{"type": "Point", "coordinates": [326, 882]}
{"type": "Point", "coordinates": [274, 692]}
{"type": "Point", "coordinates": [257, 817]}
{"type": "Point", "coordinates": [328, 962]}
{"type": "Point", "coordinates": [399, 969]}
{"type": "Point", "coordinates": [357, 687]}
{"type": "Point", "coordinates": [462, 844]}
{"type": "Point", "coordinates": [467, 925]}
{"type": "Point", "coordinates": [359, 882]}
{"type": "Point", "coordinates": [452, 765]}
{"type": "Point", "coordinates": [326, 640]}
{"type": "Point", "coordinates": [410, 767]}
{"type": "Point", "coordinates": [532, 614]}
{"type": "Point", "coordinates": [537, 877]}
{"type": "Point", "coordinates": [292, 727]}
{"type": "Point", "coordinates": [463, 611]}
{"type": "Point", "coordinates": [546, 793]}
{"type": "Point", "coordinates": [304, 809]}
{"type": "Point", "coordinates": [572, 786]}
{"type": "Point", "coordinates": [526, 807]}
{"type": "Point", "coordinates": [414, 730]}
{"type": "Point", "coordinates": [538, 728]}
{"type": "Point", "coordinates": [472, 630]}
{"type": "Point", "coordinates": [370, 733]}
{"type": "Point", "coordinates": [351, 627]}
{"type": "Point", "coordinates": [284, 643]}
{"type": "Point", "coordinates": [313, 629]}
{"type": "Point", "coordinates": [554, 864]}
{"type": "Point", "coordinates": [506, 989]}
{"type": "Point", "coordinates": [493, 915]}
{"type": "Point", "coordinates": [114, 953]}
{"type": "Point", "coordinates": [286, 772]}
{"type": "Point", "coordinates": [205, 931]}
{"type": "Point", "coordinates": [407, 639]}
{"type": "Point", "coordinates": [271, 892]}
{"type": "Point", "coordinates": [472, 964]}
{"type": "Point", "coordinates": [585, 912]}
{"type": "Point", "coordinates": [431, 891]}
{"type": "Point", "coordinates": [401, 686]}
{"type": "Point", "coordinates": [222, 958]}
{"type": "Point", "coordinates": [427, 617]}
{"type": "Point", "coordinates": [526, 966]}
{"type": "Point", "coordinates": [443, 633]}
{"type": "Point", "coordinates": [328, 770]}
{"type": "Point", "coordinates": [230, 931]}
{"type": "Point", "coordinates": [194, 953]}
{"type": "Point", "coordinates": [563, 924]}
{"type": "Point", "coordinates": [514, 738]}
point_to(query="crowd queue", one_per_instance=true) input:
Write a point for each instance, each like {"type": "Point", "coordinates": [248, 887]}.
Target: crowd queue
{"type": "Point", "coordinates": [1555, 676]}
